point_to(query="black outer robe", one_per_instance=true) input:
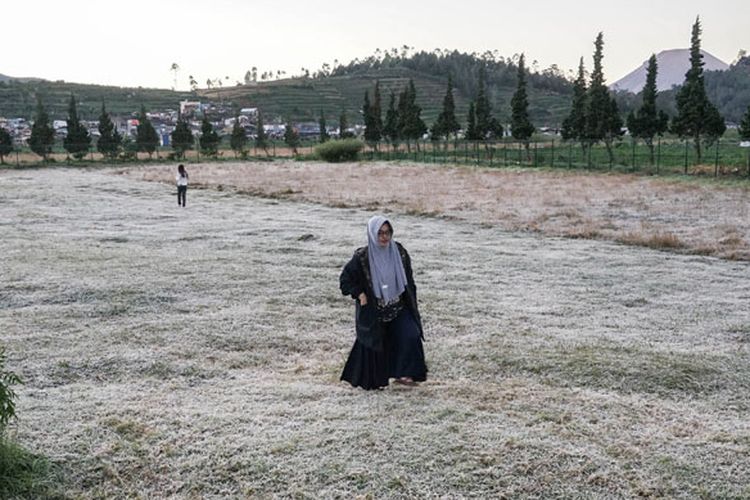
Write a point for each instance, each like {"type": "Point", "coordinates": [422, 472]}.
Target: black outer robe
{"type": "Point", "coordinates": [355, 279]}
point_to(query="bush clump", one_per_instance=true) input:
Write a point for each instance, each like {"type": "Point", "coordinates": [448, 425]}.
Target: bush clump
{"type": "Point", "coordinates": [339, 150]}
{"type": "Point", "coordinates": [22, 474]}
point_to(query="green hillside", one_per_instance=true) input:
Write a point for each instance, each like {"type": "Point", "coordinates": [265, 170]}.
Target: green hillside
{"type": "Point", "coordinates": [18, 99]}
{"type": "Point", "coordinates": [300, 99]}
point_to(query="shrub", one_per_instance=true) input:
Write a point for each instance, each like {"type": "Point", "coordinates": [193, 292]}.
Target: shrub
{"type": "Point", "coordinates": [7, 396]}
{"type": "Point", "coordinates": [25, 474]}
{"type": "Point", "coordinates": [340, 150]}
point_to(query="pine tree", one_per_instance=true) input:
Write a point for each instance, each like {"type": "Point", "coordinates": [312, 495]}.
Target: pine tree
{"type": "Point", "coordinates": [482, 107]}
{"type": "Point", "coordinates": [77, 140]}
{"type": "Point", "coordinates": [471, 124]}
{"type": "Point", "coordinates": [42, 134]}
{"type": "Point", "coordinates": [446, 123]}
{"type": "Point", "coordinates": [369, 119]}
{"type": "Point", "coordinates": [390, 127]}
{"type": "Point", "coordinates": [291, 137]}
{"type": "Point", "coordinates": [238, 139]}
{"type": "Point", "coordinates": [322, 128]}
{"type": "Point", "coordinates": [146, 138]}
{"type": "Point", "coordinates": [110, 140]}
{"type": "Point", "coordinates": [6, 144]}
{"type": "Point", "coordinates": [647, 122]}
{"type": "Point", "coordinates": [574, 125]}
{"type": "Point", "coordinates": [209, 139]}
{"type": "Point", "coordinates": [696, 116]}
{"type": "Point", "coordinates": [520, 125]}
{"type": "Point", "coordinates": [377, 111]}
{"type": "Point", "coordinates": [344, 126]}
{"type": "Point", "coordinates": [603, 122]}
{"type": "Point", "coordinates": [487, 126]}
{"type": "Point", "coordinates": [261, 139]}
{"type": "Point", "coordinates": [182, 137]}
{"type": "Point", "coordinates": [411, 125]}
{"type": "Point", "coordinates": [744, 128]}
{"type": "Point", "coordinates": [372, 116]}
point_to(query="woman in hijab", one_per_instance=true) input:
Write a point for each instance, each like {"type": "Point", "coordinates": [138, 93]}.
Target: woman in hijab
{"type": "Point", "coordinates": [389, 329]}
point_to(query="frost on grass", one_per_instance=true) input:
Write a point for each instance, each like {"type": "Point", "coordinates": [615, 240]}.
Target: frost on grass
{"type": "Point", "coordinates": [684, 215]}
{"type": "Point", "coordinates": [188, 353]}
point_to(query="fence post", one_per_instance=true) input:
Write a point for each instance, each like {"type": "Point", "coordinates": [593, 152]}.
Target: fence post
{"type": "Point", "coordinates": [536, 155]}
{"type": "Point", "coordinates": [686, 155]}
{"type": "Point", "coordinates": [552, 158]}
{"type": "Point", "coordinates": [716, 162]}
{"type": "Point", "coordinates": [658, 155]}
{"type": "Point", "coordinates": [632, 158]}
{"type": "Point", "coordinates": [570, 156]}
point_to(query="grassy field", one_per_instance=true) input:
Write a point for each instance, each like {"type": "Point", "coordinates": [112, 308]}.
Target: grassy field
{"type": "Point", "coordinates": [195, 353]}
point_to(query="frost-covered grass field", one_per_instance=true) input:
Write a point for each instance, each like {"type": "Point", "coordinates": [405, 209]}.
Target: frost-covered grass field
{"type": "Point", "coordinates": [195, 353]}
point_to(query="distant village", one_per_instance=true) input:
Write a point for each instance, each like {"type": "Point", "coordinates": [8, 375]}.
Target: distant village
{"type": "Point", "coordinates": [221, 117]}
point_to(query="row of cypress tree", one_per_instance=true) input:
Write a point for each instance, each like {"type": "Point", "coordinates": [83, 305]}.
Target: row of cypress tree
{"type": "Point", "coordinates": [403, 121]}
{"type": "Point", "coordinates": [594, 116]}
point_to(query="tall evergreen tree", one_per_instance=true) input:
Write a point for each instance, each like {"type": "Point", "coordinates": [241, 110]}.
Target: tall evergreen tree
{"type": "Point", "coordinates": [446, 123]}
{"type": "Point", "coordinates": [6, 144]}
{"type": "Point", "coordinates": [261, 139]}
{"type": "Point", "coordinates": [471, 124]}
{"type": "Point", "coordinates": [209, 139]}
{"type": "Point", "coordinates": [42, 134]}
{"type": "Point", "coordinates": [78, 140]}
{"type": "Point", "coordinates": [238, 139]}
{"type": "Point", "coordinates": [574, 125]}
{"type": "Point", "coordinates": [182, 137]}
{"type": "Point", "coordinates": [110, 140]}
{"type": "Point", "coordinates": [603, 122]}
{"type": "Point", "coordinates": [370, 130]}
{"type": "Point", "coordinates": [146, 138]}
{"type": "Point", "coordinates": [344, 132]}
{"type": "Point", "coordinates": [520, 125]}
{"type": "Point", "coordinates": [744, 128]}
{"type": "Point", "coordinates": [323, 128]}
{"type": "Point", "coordinates": [291, 137]}
{"type": "Point", "coordinates": [390, 127]}
{"type": "Point", "coordinates": [647, 122]}
{"type": "Point", "coordinates": [697, 117]}
{"type": "Point", "coordinates": [377, 110]}
{"type": "Point", "coordinates": [487, 126]}
{"type": "Point", "coordinates": [482, 106]}
{"type": "Point", "coordinates": [411, 125]}
{"type": "Point", "coordinates": [372, 116]}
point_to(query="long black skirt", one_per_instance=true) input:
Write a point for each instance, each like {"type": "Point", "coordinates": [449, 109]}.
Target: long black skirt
{"type": "Point", "coordinates": [402, 356]}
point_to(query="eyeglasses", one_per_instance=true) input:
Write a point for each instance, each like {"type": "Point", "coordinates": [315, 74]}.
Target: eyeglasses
{"type": "Point", "coordinates": [385, 233]}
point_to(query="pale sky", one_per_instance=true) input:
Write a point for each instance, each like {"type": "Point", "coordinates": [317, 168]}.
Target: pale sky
{"type": "Point", "coordinates": [134, 42]}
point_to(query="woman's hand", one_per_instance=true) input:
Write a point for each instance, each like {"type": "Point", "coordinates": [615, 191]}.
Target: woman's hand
{"type": "Point", "coordinates": [362, 299]}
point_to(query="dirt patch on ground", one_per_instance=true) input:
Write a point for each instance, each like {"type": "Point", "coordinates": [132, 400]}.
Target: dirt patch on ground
{"type": "Point", "coordinates": [693, 216]}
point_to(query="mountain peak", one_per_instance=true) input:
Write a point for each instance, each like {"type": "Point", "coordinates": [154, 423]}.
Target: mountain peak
{"type": "Point", "coordinates": [672, 65]}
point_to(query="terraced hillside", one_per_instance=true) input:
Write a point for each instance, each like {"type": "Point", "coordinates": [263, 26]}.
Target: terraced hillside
{"type": "Point", "coordinates": [18, 98]}
{"type": "Point", "coordinates": [296, 98]}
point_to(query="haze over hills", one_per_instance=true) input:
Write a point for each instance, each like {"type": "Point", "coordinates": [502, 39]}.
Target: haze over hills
{"type": "Point", "coordinates": [672, 65]}
{"type": "Point", "coordinates": [341, 89]}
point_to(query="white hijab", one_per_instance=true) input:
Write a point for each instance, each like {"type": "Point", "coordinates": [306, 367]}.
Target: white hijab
{"type": "Point", "coordinates": [386, 267]}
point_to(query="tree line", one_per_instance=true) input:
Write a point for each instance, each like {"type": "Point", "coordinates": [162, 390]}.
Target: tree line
{"type": "Point", "coordinates": [594, 116]}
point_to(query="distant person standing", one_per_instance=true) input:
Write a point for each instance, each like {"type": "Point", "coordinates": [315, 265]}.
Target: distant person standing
{"type": "Point", "coordinates": [182, 183]}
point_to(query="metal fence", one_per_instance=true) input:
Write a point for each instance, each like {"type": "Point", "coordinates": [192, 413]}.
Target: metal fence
{"type": "Point", "coordinates": [669, 156]}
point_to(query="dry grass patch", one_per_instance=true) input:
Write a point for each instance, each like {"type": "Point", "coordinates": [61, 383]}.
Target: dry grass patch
{"type": "Point", "coordinates": [556, 203]}
{"type": "Point", "coordinates": [662, 240]}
